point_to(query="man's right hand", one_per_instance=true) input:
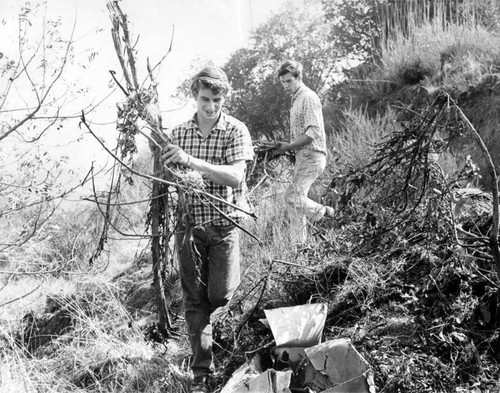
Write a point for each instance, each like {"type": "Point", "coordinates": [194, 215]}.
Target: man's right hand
{"type": "Point", "coordinates": [173, 154]}
{"type": "Point", "coordinates": [283, 146]}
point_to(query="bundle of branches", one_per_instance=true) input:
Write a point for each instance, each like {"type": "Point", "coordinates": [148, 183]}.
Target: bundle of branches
{"type": "Point", "coordinates": [269, 162]}
{"type": "Point", "coordinates": [268, 151]}
{"type": "Point", "coordinates": [141, 103]}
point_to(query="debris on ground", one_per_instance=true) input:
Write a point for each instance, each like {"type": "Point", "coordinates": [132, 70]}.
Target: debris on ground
{"type": "Point", "coordinates": [302, 362]}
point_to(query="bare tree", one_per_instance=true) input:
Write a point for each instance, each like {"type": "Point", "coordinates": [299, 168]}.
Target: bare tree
{"type": "Point", "coordinates": [32, 95]}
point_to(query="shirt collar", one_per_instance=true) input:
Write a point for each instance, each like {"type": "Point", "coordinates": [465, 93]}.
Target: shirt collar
{"type": "Point", "coordinates": [299, 90]}
{"type": "Point", "coordinates": [221, 125]}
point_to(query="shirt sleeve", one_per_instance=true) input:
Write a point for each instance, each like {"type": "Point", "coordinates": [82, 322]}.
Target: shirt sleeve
{"type": "Point", "coordinates": [240, 146]}
{"type": "Point", "coordinates": [313, 118]}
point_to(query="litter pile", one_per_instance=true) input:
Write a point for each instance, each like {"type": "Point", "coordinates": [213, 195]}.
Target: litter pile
{"type": "Point", "coordinates": [302, 362]}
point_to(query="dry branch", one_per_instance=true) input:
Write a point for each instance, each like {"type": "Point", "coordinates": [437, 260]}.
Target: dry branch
{"type": "Point", "coordinates": [494, 185]}
{"type": "Point", "coordinates": [404, 184]}
{"type": "Point", "coordinates": [138, 105]}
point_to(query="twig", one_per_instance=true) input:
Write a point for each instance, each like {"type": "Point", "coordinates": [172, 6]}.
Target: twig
{"type": "Point", "coordinates": [22, 296]}
{"type": "Point", "coordinates": [152, 140]}
{"type": "Point", "coordinates": [265, 346]}
{"type": "Point", "coordinates": [294, 264]}
{"type": "Point", "coordinates": [150, 70]}
{"type": "Point", "coordinates": [249, 314]}
{"type": "Point", "coordinates": [128, 46]}
{"type": "Point", "coordinates": [258, 184]}
{"type": "Point", "coordinates": [106, 216]}
{"type": "Point", "coordinates": [483, 276]}
{"type": "Point", "coordinates": [235, 223]}
{"type": "Point", "coordinates": [95, 200]}
{"type": "Point", "coordinates": [113, 73]}
{"type": "Point", "coordinates": [494, 183]}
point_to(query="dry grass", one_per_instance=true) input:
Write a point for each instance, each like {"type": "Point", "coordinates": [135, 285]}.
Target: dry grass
{"type": "Point", "coordinates": [356, 147]}
{"type": "Point", "coordinates": [450, 56]}
{"type": "Point", "coordinates": [102, 350]}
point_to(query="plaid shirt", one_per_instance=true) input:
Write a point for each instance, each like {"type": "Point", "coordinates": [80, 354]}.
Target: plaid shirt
{"type": "Point", "coordinates": [228, 141]}
{"type": "Point", "coordinates": [306, 117]}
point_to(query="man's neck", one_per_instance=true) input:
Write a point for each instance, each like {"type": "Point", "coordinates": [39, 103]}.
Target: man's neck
{"type": "Point", "coordinates": [205, 126]}
{"type": "Point", "coordinates": [298, 88]}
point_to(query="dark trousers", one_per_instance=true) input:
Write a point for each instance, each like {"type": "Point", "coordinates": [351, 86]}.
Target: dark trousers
{"type": "Point", "coordinates": [209, 263]}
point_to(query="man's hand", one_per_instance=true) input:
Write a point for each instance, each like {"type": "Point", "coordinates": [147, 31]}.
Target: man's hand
{"type": "Point", "coordinates": [173, 154]}
{"type": "Point", "coordinates": [227, 175]}
{"type": "Point", "coordinates": [284, 146]}
{"type": "Point", "coordinates": [304, 140]}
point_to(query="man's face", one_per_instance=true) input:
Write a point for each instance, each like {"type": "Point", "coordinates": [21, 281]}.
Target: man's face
{"type": "Point", "coordinates": [209, 104]}
{"type": "Point", "coordinates": [290, 83]}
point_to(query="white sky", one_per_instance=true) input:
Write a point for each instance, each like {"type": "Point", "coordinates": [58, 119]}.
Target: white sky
{"type": "Point", "coordinates": [204, 29]}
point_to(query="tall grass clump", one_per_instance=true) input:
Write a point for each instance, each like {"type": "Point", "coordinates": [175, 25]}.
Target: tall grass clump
{"type": "Point", "coordinates": [362, 133]}
{"type": "Point", "coordinates": [274, 240]}
{"type": "Point", "coordinates": [267, 260]}
{"type": "Point", "coordinates": [437, 53]}
{"type": "Point", "coordinates": [20, 372]}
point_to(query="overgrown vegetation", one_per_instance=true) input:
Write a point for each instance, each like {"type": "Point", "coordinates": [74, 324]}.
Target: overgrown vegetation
{"type": "Point", "coordinates": [407, 267]}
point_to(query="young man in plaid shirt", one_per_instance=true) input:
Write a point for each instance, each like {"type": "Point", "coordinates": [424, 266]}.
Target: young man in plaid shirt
{"type": "Point", "coordinates": [308, 140]}
{"type": "Point", "coordinates": [218, 146]}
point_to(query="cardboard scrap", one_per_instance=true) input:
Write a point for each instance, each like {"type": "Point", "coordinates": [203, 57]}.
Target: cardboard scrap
{"type": "Point", "coordinates": [242, 375]}
{"type": "Point", "coordinates": [338, 359]}
{"type": "Point", "coordinates": [297, 326]}
{"type": "Point", "coordinates": [360, 384]}
{"type": "Point", "coordinates": [271, 381]}
{"type": "Point", "coordinates": [346, 371]}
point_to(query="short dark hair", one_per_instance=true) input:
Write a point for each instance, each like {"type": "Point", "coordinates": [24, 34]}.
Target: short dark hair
{"type": "Point", "coordinates": [291, 66]}
{"type": "Point", "coordinates": [212, 78]}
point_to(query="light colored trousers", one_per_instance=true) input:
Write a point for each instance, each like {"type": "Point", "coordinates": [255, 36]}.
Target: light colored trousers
{"type": "Point", "coordinates": [309, 165]}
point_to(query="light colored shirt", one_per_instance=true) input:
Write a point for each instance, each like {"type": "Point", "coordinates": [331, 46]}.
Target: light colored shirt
{"type": "Point", "coordinates": [227, 142]}
{"type": "Point", "coordinates": [306, 117]}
